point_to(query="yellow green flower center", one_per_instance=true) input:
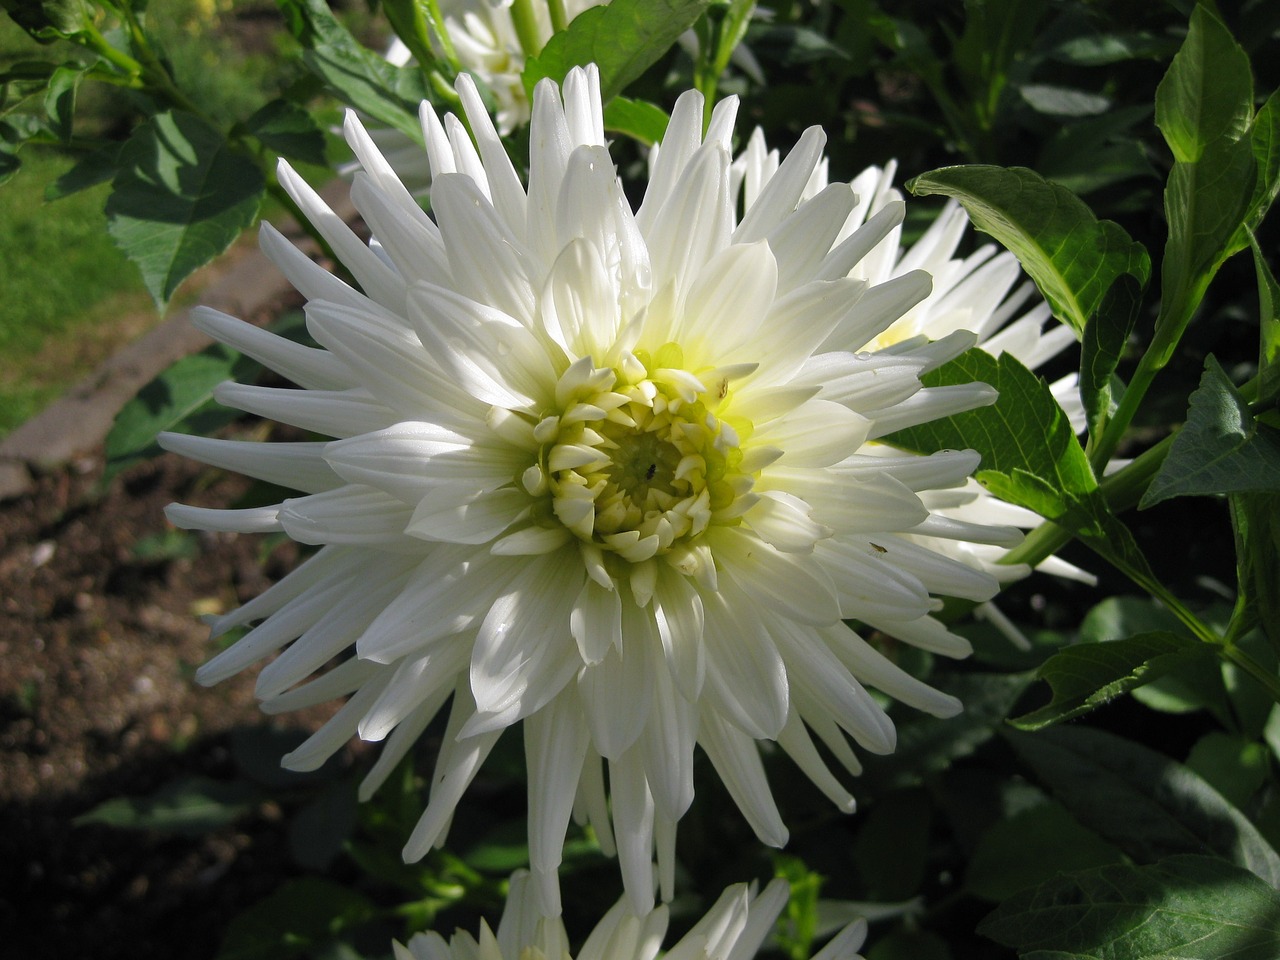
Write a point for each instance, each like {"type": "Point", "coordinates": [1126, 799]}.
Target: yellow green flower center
{"type": "Point", "coordinates": [639, 457]}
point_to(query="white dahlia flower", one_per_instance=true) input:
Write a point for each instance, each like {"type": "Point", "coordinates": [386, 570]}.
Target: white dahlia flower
{"type": "Point", "coordinates": [603, 471]}
{"type": "Point", "coordinates": [974, 301]}
{"type": "Point", "coordinates": [733, 929]}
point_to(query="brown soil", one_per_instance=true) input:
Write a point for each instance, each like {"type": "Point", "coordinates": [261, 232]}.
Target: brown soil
{"type": "Point", "coordinates": [98, 642]}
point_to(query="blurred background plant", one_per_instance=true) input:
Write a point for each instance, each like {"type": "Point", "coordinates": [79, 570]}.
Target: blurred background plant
{"type": "Point", "coordinates": [171, 119]}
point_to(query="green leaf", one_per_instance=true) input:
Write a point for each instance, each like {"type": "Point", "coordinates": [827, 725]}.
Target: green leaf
{"type": "Point", "coordinates": [18, 129]}
{"type": "Point", "coordinates": [1214, 195]}
{"type": "Point", "coordinates": [1063, 101]}
{"type": "Point", "coordinates": [1207, 93]}
{"type": "Point", "coordinates": [1233, 765]}
{"type": "Point", "coordinates": [1118, 617]}
{"type": "Point", "coordinates": [181, 399]}
{"type": "Point", "coordinates": [297, 920]}
{"type": "Point", "coordinates": [1188, 907]}
{"type": "Point", "coordinates": [796, 933]}
{"type": "Point", "coordinates": [1105, 337]}
{"type": "Point", "coordinates": [623, 39]}
{"type": "Point", "coordinates": [352, 72]}
{"type": "Point", "coordinates": [1071, 255]}
{"type": "Point", "coordinates": [60, 98]}
{"type": "Point", "coordinates": [31, 75]}
{"type": "Point", "coordinates": [1188, 686]}
{"type": "Point", "coordinates": [363, 80]}
{"type": "Point", "coordinates": [288, 130]}
{"type": "Point", "coordinates": [1092, 521]}
{"type": "Point", "coordinates": [191, 805]}
{"type": "Point", "coordinates": [1222, 448]}
{"type": "Point", "coordinates": [180, 198]}
{"type": "Point", "coordinates": [1184, 689]}
{"type": "Point", "coordinates": [1100, 49]}
{"type": "Point", "coordinates": [638, 119]}
{"type": "Point", "coordinates": [1148, 805]}
{"type": "Point", "coordinates": [47, 20]}
{"type": "Point", "coordinates": [1029, 848]}
{"type": "Point", "coordinates": [1205, 204]}
{"type": "Point", "coordinates": [1264, 141]}
{"type": "Point", "coordinates": [1025, 436]}
{"type": "Point", "coordinates": [1087, 675]}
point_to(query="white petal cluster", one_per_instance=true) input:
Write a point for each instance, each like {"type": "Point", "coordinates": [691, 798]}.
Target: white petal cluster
{"type": "Point", "coordinates": [733, 929]}
{"type": "Point", "coordinates": [980, 299]}
{"type": "Point", "coordinates": [609, 472]}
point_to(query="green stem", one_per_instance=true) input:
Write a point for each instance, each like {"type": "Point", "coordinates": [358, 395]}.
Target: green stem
{"type": "Point", "coordinates": [1150, 364]}
{"type": "Point", "coordinates": [1172, 321]}
{"type": "Point", "coordinates": [1159, 591]}
{"type": "Point", "coordinates": [559, 15]}
{"type": "Point", "coordinates": [1122, 490]}
{"type": "Point", "coordinates": [442, 34]}
{"type": "Point", "coordinates": [707, 87]}
{"type": "Point", "coordinates": [99, 44]}
{"type": "Point", "coordinates": [705, 78]}
{"type": "Point", "coordinates": [148, 68]}
{"type": "Point", "coordinates": [526, 24]}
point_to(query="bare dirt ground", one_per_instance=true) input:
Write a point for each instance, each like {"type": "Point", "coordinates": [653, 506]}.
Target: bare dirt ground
{"type": "Point", "coordinates": [99, 638]}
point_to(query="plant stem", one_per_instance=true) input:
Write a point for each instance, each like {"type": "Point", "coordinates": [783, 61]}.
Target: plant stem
{"type": "Point", "coordinates": [705, 78]}
{"type": "Point", "coordinates": [442, 34]}
{"type": "Point", "coordinates": [154, 72]}
{"type": "Point", "coordinates": [117, 58]}
{"type": "Point", "coordinates": [1122, 490]}
{"type": "Point", "coordinates": [1171, 323]}
{"type": "Point", "coordinates": [559, 15]}
{"type": "Point", "coordinates": [526, 23]}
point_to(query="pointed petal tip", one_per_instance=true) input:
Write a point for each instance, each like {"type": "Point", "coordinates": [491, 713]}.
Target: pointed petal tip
{"type": "Point", "coordinates": [207, 676]}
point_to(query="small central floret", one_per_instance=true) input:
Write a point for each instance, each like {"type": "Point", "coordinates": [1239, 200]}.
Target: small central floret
{"type": "Point", "coordinates": [637, 458]}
